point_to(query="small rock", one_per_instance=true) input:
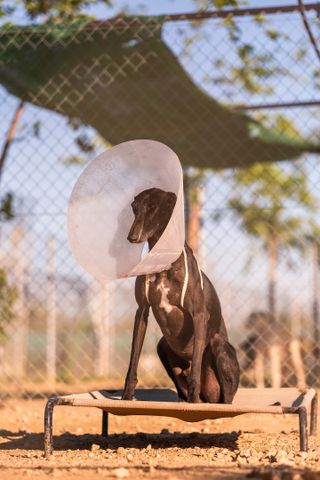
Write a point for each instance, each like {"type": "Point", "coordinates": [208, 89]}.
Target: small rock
{"type": "Point", "coordinates": [253, 460]}
{"type": "Point", "coordinates": [149, 447]}
{"type": "Point", "coordinates": [198, 453]}
{"type": "Point", "coordinates": [245, 453]}
{"type": "Point", "coordinates": [282, 453]}
{"type": "Point", "coordinates": [130, 457]}
{"type": "Point", "coordinates": [121, 472]}
{"type": "Point", "coordinates": [272, 452]}
{"type": "Point", "coordinates": [120, 450]}
{"type": "Point", "coordinates": [303, 454]}
{"type": "Point", "coordinates": [296, 476]}
{"type": "Point", "coordinates": [285, 461]}
{"type": "Point", "coordinates": [95, 447]}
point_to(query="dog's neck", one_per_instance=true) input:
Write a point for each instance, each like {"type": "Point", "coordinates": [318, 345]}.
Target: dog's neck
{"type": "Point", "coordinates": [153, 240]}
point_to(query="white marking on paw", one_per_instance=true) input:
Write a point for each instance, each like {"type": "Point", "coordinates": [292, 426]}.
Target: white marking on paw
{"type": "Point", "coordinates": [164, 303]}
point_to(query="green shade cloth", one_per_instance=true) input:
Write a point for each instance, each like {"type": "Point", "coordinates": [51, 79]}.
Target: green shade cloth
{"type": "Point", "coordinates": [121, 78]}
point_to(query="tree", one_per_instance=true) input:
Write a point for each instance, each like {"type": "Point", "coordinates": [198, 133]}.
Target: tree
{"type": "Point", "coordinates": [312, 237]}
{"type": "Point", "coordinates": [265, 201]}
{"type": "Point", "coordinates": [8, 297]}
{"type": "Point", "coordinates": [252, 73]}
{"type": "Point", "coordinates": [49, 10]}
{"type": "Point", "coordinates": [194, 184]}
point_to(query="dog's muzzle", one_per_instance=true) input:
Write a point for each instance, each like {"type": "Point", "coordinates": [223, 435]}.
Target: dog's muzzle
{"type": "Point", "coordinates": [133, 238]}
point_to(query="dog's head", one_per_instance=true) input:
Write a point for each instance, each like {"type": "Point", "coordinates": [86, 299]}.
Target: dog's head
{"type": "Point", "coordinates": [152, 210]}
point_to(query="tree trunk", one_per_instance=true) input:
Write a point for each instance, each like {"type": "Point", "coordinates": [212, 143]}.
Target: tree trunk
{"type": "Point", "coordinates": [193, 208]}
{"type": "Point", "coordinates": [259, 369]}
{"type": "Point", "coordinates": [10, 135]}
{"type": "Point", "coordinates": [19, 326]}
{"type": "Point", "coordinates": [272, 251]}
{"type": "Point", "coordinates": [101, 321]}
{"type": "Point", "coordinates": [295, 350]}
{"type": "Point", "coordinates": [295, 345]}
{"type": "Point", "coordinates": [194, 224]}
{"type": "Point", "coordinates": [315, 310]}
{"type": "Point", "coordinates": [51, 312]}
{"type": "Point", "coordinates": [186, 188]}
{"type": "Point", "coordinates": [275, 364]}
{"type": "Point", "coordinates": [275, 349]}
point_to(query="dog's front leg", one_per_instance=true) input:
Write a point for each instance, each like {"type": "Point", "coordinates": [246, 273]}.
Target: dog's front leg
{"type": "Point", "coordinates": [200, 321]}
{"type": "Point", "coordinates": [139, 331]}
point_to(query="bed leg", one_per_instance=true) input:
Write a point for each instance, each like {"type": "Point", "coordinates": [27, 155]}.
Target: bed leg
{"type": "Point", "coordinates": [105, 423]}
{"type": "Point", "coordinates": [48, 417]}
{"type": "Point", "coordinates": [314, 415]}
{"type": "Point", "coordinates": [303, 429]}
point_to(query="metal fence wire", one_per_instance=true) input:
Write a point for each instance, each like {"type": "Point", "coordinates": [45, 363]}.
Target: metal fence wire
{"type": "Point", "coordinates": [237, 98]}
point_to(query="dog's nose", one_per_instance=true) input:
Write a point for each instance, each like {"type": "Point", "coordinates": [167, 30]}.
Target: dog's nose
{"type": "Point", "coordinates": [132, 237]}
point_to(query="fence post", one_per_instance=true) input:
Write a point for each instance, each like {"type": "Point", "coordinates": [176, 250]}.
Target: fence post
{"type": "Point", "coordinates": [315, 309]}
{"type": "Point", "coordinates": [101, 321]}
{"type": "Point", "coordinates": [19, 326]}
{"type": "Point", "coordinates": [295, 347]}
{"type": "Point", "coordinates": [51, 310]}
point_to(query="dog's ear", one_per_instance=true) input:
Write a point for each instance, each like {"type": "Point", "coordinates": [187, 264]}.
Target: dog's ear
{"type": "Point", "coordinates": [172, 198]}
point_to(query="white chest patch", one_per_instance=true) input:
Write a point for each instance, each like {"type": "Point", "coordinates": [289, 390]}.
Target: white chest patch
{"type": "Point", "coordinates": [164, 303]}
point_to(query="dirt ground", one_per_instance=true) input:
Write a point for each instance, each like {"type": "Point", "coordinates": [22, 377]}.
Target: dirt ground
{"type": "Point", "coordinates": [248, 446]}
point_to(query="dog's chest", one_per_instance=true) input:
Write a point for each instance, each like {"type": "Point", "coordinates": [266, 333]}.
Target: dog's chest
{"type": "Point", "coordinates": [164, 293]}
{"type": "Point", "coordinates": [165, 300]}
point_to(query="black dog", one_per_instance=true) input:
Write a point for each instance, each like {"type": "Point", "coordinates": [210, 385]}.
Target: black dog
{"type": "Point", "coordinates": [194, 349]}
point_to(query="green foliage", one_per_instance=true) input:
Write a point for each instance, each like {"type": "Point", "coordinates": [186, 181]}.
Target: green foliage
{"type": "Point", "coordinates": [51, 9]}
{"type": "Point", "coordinates": [313, 232]}
{"type": "Point", "coordinates": [6, 207]}
{"type": "Point", "coordinates": [250, 71]}
{"type": "Point", "coordinates": [252, 67]}
{"type": "Point", "coordinates": [8, 296]}
{"type": "Point", "coordinates": [64, 376]}
{"type": "Point", "coordinates": [6, 8]}
{"type": "Point", "coordinates": [88, 147]}
{"type": "Point", "coordinates": [286, 127]}
{"type": "Point", "coordinates": [267, 202]}
{"type": "Point", "coordinates": [206, 4]}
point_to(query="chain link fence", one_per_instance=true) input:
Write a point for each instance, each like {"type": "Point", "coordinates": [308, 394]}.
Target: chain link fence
{"type": "Point", "coordinates": [238, 99]}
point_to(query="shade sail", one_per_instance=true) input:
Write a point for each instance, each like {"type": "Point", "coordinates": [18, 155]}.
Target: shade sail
{"type": "Point", "coordinates": [122, 79]}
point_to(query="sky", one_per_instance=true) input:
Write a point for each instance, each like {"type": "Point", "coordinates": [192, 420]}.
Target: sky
{"type": "Point", "coordinates": [36, 173]}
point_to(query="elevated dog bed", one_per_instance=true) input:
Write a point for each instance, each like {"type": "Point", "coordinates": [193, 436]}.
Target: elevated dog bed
{"type": "Point", "coordinates": [164, 402]}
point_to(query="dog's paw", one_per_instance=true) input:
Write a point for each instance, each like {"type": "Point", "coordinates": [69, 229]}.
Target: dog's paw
{"type": "Point", "coordinates": [194, 399]}
{"type": "Point", "coordinates": [127, 396]}
{"type": "Point", "coordinates": [194, 396]}
{"type": "Point", "coordinates": [193, 392]}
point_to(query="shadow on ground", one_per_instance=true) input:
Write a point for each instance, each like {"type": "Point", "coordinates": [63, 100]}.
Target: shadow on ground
{"type": "Point", "coordinates": [69, 441]}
